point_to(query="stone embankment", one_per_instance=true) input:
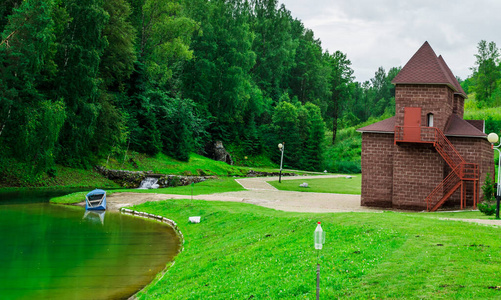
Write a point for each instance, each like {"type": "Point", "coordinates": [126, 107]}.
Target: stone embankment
{"type": "Point", "coordinates": [133, 179]}
{"type": "Point", "coordinates": [253, 173]}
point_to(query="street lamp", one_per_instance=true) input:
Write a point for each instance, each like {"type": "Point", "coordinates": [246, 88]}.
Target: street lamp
{"type": "Point", "coordinates": [281, 147]}
{"type": "Point", "coordinates": [319, 239]}
{"type": "Point", "coordinates": [494, 138]}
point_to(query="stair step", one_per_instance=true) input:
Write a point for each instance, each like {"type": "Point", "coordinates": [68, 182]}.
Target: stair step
{"type": "Point", "coordinates": [444, 198]}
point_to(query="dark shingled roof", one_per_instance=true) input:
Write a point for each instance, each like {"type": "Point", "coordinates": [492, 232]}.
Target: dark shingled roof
{"type": "Point", "coordinates": [425, 67]}
{"type": "Point", "coordinates": [458, 127]}
{"type": "Point", "coordinates": [455, 127]}
{"type": "Point", "coordinates": [479, 124]}
{"type": "Point", "coordinates": [451, 77]}
{"type": "Point", "coordinates": [385, 126]}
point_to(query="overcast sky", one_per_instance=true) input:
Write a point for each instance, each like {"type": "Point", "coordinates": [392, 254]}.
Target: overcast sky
{"type": "Point", "coordinates": [387, 33]}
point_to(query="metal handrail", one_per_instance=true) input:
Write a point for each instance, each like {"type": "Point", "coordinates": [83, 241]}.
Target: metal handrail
{"type": "Point", "coordinates": [435, 136]}
{"type": "Point", "coordinates": [441, 137]}
{"type": "Point", "coordinates": [460, 169]}
{"type": "Point", "coordinates": [438, 191]}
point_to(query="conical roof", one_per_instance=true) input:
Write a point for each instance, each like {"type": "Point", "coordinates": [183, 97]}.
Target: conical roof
{"type": "Point", "coordinates": [425, 67]}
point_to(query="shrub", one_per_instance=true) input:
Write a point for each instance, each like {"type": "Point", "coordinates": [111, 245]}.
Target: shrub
{"type": "Point", "coordinates": [488, 206]}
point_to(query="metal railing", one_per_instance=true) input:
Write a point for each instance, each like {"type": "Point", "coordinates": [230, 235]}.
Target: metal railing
{"type": "Point", "coordinates": [464, 171]}
{"type": "Point", "coordinates": [431, 135]}
{"type": "Point", "coordinates": [443, 191]}
{"type": "Point", "coordinates": [460, 169]}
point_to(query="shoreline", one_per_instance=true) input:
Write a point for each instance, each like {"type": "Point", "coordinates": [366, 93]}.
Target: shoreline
{"type": "Point", "coordinates": [160, 219]}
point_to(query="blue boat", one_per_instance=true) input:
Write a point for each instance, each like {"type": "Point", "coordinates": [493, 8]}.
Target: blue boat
{"type": "Point", "coordinates": [95, 200]}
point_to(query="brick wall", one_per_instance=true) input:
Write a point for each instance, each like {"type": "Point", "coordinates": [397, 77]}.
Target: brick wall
{"type": "Point", "coordinates": [377, 169]}
{"type": "Point", "coordinates": [417, 170]}
{"type": "Point", "coordinates": [458, 107]}
{"type": "Point", "coordinates": [476, 150]}
{"type": "Point", "coordinates": [487, 161]}
{"type": "Point", "coordinates": [435, 99]}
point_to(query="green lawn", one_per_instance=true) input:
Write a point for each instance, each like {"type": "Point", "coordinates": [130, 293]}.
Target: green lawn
{"type": "Point", "coordinates": [340, 185]}
{"type": "Point", "coordinates": [242, 251]}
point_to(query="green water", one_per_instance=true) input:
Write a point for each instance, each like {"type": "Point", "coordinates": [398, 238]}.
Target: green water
{"type": "Point", "coordinates": [53, 252]}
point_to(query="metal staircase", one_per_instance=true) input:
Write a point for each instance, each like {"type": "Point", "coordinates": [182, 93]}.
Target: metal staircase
{"type": "Point", "coordinates": [461, 173]}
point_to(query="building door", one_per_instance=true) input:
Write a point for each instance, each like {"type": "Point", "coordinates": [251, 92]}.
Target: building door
{"type": "Point", "coordinates": [412, 124]}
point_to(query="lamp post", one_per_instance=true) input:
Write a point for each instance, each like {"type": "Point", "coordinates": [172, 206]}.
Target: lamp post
{"type": "Point", "coordinates": [494, 138]}
{"type": "Point", "coordinates": [281, 147]}
{"type": "Point", "coordinates": [319, 239]}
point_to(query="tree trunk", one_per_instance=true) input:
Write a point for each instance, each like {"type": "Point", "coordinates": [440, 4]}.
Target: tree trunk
{"type": "Point", "coordinates": [334, 123]}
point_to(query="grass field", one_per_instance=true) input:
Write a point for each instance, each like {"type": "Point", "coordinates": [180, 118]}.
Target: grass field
{"type": "Point", "coordinates": [341, 185]}
{"type": "Point", "coordinates": [242, 251]}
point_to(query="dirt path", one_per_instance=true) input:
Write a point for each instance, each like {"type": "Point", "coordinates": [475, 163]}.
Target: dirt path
{"type": "Point", "coordinates": [260, 192]}
{"type": "Point", "coordinates": [261, 183]}
{"type": "Point", "coordinates": [478, 221]}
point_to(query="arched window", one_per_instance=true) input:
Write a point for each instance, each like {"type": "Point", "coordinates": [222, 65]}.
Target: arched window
{"type": "Point", "coordinates": [430, 120]}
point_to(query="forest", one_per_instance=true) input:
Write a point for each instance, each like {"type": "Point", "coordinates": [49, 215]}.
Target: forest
{"type": "Point", "coordinates": [85, 80]}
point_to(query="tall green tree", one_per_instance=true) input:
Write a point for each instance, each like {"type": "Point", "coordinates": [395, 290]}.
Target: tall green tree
{"type": "Point", "coordinates": [6, 10]}
{"type": "Point", "coordinates": [164, 33]}
{"type": "Point", "coordinates": [273, 45]}
{"type": "Point", "coordinates": [383, 91]}
{"type": "Point", "coordinates": [164, 36]}
{"type": "Point", "coordinates": [314, 146]}
{"type": "Point", "coordinates": [341, 75]}
{"type": "Point", "coordinates": [118, 57]}
{"type": "Point", "coordinates": [30, 121]}
{"type": "Point", "coordinates": [79, 52]}
{"type": "Point", "coordinates": [486, 72]}
{"type": "Point", "coordinates": [286, 130]}
{"type": "Point", "coordinates": [218, 78]}
{"type": "Point", "coordinates": [115, 68]}
{"type": "Point", "coordinates": [308, 78]}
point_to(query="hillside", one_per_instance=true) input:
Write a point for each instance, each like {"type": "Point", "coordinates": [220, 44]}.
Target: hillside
{"type": "Point", "coordinates": [77, 90]}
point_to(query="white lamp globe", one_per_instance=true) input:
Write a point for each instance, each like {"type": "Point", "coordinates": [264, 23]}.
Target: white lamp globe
{"type": "Point", "coordinates": [280, 146]}
{"type": "Point", "coordinates": [493, 138]}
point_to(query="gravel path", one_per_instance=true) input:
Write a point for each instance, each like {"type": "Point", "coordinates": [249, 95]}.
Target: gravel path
{"type": "Point", "coordinates": [260, 192]}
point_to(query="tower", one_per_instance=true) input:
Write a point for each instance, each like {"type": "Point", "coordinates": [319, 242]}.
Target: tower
{"type": "Point", "coordinates": [426, 154]}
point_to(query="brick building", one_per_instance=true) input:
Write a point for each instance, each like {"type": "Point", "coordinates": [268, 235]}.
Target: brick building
{"type": "Point", "coordinates": [427, 155]}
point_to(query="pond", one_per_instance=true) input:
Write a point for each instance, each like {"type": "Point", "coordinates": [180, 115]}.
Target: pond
{"type": "Point", "coordinates": [57, 252]}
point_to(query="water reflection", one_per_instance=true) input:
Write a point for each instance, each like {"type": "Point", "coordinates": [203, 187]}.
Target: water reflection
{"type": "Point", "coordinates": [50, 252]}
{"type": "Point", "coordinates": [94, 216]}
